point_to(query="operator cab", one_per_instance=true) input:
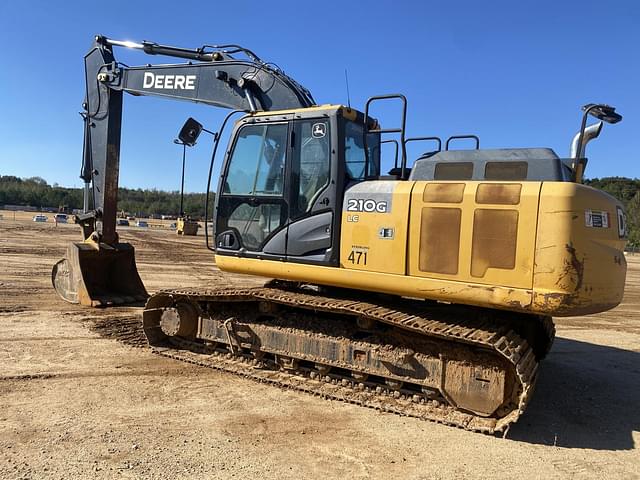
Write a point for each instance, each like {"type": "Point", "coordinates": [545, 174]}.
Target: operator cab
{"type": "Point", "coordinates": [282, 182]}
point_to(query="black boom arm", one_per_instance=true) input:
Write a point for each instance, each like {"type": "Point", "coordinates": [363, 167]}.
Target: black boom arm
{"type": "Point", "coordinates": [212, 76]}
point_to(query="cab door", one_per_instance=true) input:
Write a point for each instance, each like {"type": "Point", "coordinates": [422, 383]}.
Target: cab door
{"type": "Point", "coordinates": [252, 205]}
{"type": "Point", "coordinates": [277, 195]}
{"type": "Point", "coordinates": [312, 193]}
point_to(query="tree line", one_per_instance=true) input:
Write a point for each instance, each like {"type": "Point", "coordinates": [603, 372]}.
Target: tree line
{"type": "Point", "coordinates": [36, 192]}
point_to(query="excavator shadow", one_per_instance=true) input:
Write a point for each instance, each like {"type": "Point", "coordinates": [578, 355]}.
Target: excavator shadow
{"type": "Point", "coordinates": [587, 396]}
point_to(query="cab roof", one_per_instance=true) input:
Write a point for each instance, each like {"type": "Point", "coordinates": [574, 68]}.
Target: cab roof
{"type": "Point", "coordinates": [347, 112]}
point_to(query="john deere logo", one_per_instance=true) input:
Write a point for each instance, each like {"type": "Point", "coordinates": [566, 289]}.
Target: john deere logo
{"type": "Point", "coordinates": [319, 130]}
{"type": "Point", "coordinates": [622, 223]}
{"type": "Point", "coordinates": [169, 82]}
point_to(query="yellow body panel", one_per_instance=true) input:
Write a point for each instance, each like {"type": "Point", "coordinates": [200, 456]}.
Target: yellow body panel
{"type": "Point", "coordinates": [403, 285]}
{"type": "Point", "coordinates": [521, 276]}
{"type": "Point", "coordinates": [552, 248]}
{"type": "Point", "coordinates": [362, 244]}
{"type": "Point", "coordinates": [579, 269]}
{"type": "Point", "coordinates": [319, 108]}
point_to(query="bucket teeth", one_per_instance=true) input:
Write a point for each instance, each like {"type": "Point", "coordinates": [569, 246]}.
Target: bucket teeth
{"type": "Point", "coordinates": [99, 277]}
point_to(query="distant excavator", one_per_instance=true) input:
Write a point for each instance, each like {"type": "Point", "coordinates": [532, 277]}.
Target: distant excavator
{"type": "Point", "coordinates": [184, 224]}
{"type": "Point", "coordinates": [426, 291]}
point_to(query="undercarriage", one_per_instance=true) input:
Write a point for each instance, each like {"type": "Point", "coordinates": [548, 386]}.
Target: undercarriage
{"type": "Point", "coordinates": [463, 366]}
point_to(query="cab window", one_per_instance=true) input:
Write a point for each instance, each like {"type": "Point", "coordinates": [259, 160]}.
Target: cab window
{"type": "Point", "coordinates": [257, 162]}
{"type": "Point", "coordinates": [312, 158]}
{"type": "Point", "coordinates": [354, 152]}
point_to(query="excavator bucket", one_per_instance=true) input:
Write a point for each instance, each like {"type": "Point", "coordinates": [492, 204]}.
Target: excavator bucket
{"type": "Point", "coordinates": [186, 227]}
{"type": "Point", "coordinates": [99, 277]}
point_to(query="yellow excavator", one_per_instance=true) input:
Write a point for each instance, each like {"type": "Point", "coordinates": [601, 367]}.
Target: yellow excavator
{"type": "Point", "coordinates": [427, 290]}
{"type": "Point", "coordinates": [184, 224]}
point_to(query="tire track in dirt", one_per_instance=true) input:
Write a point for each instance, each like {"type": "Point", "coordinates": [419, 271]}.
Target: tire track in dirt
{"type": "Point", "coordinates": [127, 330]}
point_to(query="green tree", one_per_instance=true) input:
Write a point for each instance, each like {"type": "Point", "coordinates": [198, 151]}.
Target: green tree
{"type": "Point", "coordinates": [633, 221]}
{"type": "Point", "coordinates": [35, 191]}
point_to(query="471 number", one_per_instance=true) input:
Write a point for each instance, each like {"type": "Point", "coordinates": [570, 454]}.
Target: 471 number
{"type": "Point", "coordinates": [358, 257]}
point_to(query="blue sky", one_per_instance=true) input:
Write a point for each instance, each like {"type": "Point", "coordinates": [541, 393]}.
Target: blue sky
{"type": "Point", "coordinates": [515, 73]}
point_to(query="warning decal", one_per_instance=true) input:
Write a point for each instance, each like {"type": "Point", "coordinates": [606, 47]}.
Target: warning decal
{"type": "Point", "coordinates": [596, 219]}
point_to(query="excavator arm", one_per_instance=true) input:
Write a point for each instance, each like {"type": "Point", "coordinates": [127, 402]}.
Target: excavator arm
{"type": "Point", "coordinates": [216, 79]}
{"type": "Point", "coordinates": [100, 270]}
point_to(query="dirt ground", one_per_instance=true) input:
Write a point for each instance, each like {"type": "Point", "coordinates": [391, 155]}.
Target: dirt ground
{"type": "Point", "coordinates": [77, 403]}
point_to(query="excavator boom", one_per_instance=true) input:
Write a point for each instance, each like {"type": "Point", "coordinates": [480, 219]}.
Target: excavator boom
{"type": "Point", "coordinates": [101, 270]}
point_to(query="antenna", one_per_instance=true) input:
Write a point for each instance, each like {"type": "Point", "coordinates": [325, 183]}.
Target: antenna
{"type": "Point", "coordinates": [346, 80]}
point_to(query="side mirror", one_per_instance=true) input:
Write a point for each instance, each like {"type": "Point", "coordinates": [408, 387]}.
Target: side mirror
{"type": "Point", "coordinates": [603, 112]}
{"type": "Point", "coordinates": [190, 132]}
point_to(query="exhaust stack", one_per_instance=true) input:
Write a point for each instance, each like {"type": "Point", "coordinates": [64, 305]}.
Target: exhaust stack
{"type": "Point", "coordinates": [604, 113]}
{"type": "Point", "coordinates": [591, 132]}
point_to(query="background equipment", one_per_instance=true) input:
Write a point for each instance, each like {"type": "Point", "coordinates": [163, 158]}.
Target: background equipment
{"type": "Point", "coordinates": [184, 224]}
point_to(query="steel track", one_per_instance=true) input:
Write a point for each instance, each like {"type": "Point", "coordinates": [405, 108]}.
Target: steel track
{"type": "Point", "coordinates": [476, 328]}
